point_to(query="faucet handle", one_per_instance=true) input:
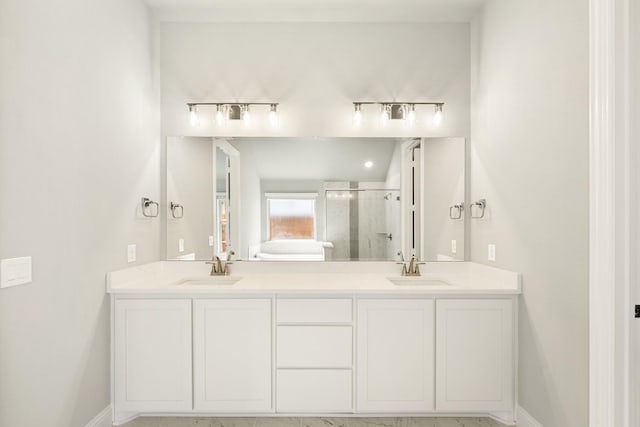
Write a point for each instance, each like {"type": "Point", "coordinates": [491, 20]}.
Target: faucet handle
{"type": "Point", "coordinates": [404, 268]}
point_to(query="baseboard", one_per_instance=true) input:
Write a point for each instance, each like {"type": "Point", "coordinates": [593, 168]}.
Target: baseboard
{"type": "Point", "coordinates": [103, 419]}
{"type": "Point", "coordinates": [524, 419]}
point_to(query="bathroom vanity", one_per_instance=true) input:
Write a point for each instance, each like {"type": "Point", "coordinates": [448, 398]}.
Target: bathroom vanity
{"type": "Point", "coordinates": [313, 339]}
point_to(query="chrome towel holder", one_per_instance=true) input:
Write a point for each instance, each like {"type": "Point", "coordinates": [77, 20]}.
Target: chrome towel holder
{"type": "Point", "coordinates": [455, 211]}
{"type": "Point", "coordinates": [147, 210]}
{"type": "Point", "coordinates": [177, 210]}
{"type": "Point", "coordinates": [481, 205]}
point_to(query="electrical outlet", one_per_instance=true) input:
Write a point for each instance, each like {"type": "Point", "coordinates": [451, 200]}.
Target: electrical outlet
{"type": "Point", "coordinates": [491, 252]}
{"type": "Point", "coordinates": [454, 246]}
{"type": "Point", "coordinates": [131, 253]}
{"type": "Point", "coordinates": [15, 271]}
{"type": "Point", "coordinates": [210, 240]}
{"type": "Point", "coordinates": [180, 245]}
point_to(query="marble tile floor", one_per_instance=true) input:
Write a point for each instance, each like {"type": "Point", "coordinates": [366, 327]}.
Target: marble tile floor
{"type": "Point", "coordinates": [312, 422]}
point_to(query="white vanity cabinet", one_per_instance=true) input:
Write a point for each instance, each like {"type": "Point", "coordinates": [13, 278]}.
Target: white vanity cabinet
{"type": "Point", "coordinates": [314, 355]}
{"type": "Point", "coordinates": [347, 354]}
{"type": "Point", "coordinates": [475, 355]}
{"type": "Point", "coordinates": [232, 355]}
{"type": "Point", "coordinates": [395, 355]}
{"type": "Point", "coordinates": [152, 348]}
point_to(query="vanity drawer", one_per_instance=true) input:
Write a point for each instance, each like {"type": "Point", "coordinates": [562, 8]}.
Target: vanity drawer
{"type": "Point", "coordinates": [315, 346]}
{"type": "Point", "coordinates": [328, 310]}
{"type": "Point", "coordinates": [314, 391]}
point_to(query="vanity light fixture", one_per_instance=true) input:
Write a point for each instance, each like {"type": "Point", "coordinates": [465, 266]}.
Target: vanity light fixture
{"type": "Point", "coordinates": [411, 114]}
{"type": "Point", "coordinates": [193, 115]}
{"type": "Point", "coordinates": [228, 111]}
{"type": "Point", "coordinates": [385, 114]}
{"type": "Point", "coordinates": [357, 114]}
{"type": "Point", "coordinates": [396, 110]}
{"type": "Point", "coordinates": [245, 115]}
{"type": "Point", "coordinates": [221, 114]}
{"type": "Point", "coordinates": [273, 115]}
{"type": "Point", "coordinates": [437, 116]}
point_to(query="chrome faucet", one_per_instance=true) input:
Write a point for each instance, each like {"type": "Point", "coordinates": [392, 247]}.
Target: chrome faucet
{"type": "Point", "coordinates": [218, 268]}
{"type": "Point", "coordinates": [413, 269]}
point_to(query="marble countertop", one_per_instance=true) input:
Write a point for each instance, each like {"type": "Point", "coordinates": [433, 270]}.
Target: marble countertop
{"type": "Point", "coordinates": [294, 278]}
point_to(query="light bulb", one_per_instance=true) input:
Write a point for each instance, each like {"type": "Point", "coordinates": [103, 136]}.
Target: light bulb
{"type": "Point", "coordinates": [273, 115]}
{"type": "Point", "coordinates": [245, 115]}
{"type": "Point", "coordinates": [357, 114]}
{"type": "Point", "coordinates": [193, 116]}
{"type": "Point", "coordinates": [220, 115]}
{"type": "Point", "coordinates": [385, 114]}
{"type": "Point", "coordinates": [437, 117]}
{"type": "Point", "coordinates": [368, 164]}
{"type": "Point", "coordinates": [411, 114]}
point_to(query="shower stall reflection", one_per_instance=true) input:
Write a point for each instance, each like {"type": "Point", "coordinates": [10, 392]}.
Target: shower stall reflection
{"type": "Point", "coordinates": [363, 224]}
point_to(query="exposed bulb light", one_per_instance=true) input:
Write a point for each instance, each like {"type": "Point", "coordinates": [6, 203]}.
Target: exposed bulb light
{"type": "Point", "coordinates": [410, 115]}
{"type": "Point", "coordinates": [273, 115]}
{"type": "Point", "coordinates": [245, 115]}
{"type": "Point", "coordinates": [220, 116]}
{"type": "Point", "coordinates": [437, 117]}
{"type": "Point", "coordinates": [193, 116]}
{"type": "Point", "coordinates": [368, 164]}
{"type": "Point", "coordinates": [357, 114]}
{"type": "Point", "coordinates": [385, 114]}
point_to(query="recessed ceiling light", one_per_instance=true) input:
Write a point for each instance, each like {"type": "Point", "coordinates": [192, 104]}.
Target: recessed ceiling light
{"type": "Point", "coordinates": [368, 164]}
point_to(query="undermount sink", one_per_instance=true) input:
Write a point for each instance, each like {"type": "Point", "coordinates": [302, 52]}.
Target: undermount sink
{"type": "Point", "coordinates": [209, 281]}
{"type": "Point", "coordinates": [417, 281]}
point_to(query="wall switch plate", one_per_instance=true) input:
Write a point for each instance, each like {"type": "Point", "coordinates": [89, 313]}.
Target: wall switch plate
{"type": "Point", "coordinates": [491, 252]}
{"type": "Point", "coordinates": [180, 245]}
{"type": "Point", "coordinates": [15, 271]}
{"type": "Point", "coordinates": [131, 253]}
{"type": "Point", "coordinates": [454, 246]}
{"type": "Point", "coordinates": [210, 240]}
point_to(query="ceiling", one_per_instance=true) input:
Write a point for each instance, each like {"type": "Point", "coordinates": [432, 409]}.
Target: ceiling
{"type": "Point", "coordinates": [330, 159]}
{"type": "Point", "coordinates": [314, 10]}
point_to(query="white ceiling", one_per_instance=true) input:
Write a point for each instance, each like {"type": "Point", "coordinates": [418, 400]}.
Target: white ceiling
{"type": "Point", "coordinates": [315, 10]}
{"type": "Point", "coordinates": [330, 159]}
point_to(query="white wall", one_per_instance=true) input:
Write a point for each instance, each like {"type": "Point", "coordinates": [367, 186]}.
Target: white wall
{"type": "Point", "coordinates": [529, 159]}
{"type": "Point", "coordinates": [316, 71]}
{"type": "Point", "coordinates": [79, 147]}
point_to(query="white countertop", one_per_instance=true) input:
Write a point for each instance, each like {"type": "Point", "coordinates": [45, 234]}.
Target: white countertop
{"type": "Point", "coordinates": [293, 278]}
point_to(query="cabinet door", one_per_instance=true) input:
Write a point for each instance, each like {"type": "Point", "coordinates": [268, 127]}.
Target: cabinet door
{"type": "Point", "coordinates": [395, 355]}
{"type": "Point", "coordinates": [152, 355]}
{"type": "Point", "coordinates": [474, 360]}
{"type": "Point", "coordinates": [232, 355]}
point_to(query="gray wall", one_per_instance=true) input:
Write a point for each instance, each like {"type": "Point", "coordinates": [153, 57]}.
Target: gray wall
{"type": "Point", "coordinates": [443, 186]}
{"type": "Point", "coordinates": [315, 70]}
{"type": "Point", "coordinates": [190, 180]}
{"type": "Point", "coordinates": [529, 159]}
{"type": "Point", "coordinates": [249, 202]}
{"type": "Point", "coordinates": [79, 147]}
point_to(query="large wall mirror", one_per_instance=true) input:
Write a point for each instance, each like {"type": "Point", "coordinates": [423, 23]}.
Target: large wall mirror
{"type": "Point", "coordinates": [315, 199]}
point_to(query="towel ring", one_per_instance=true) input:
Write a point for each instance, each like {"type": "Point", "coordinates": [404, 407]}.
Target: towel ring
{"type": "Point", "coordinates": [147, 211]}
{"type": "Point", "coordinates": [455, 211]}
{"type": "Point", "coordinates": [481, 204]}
{"type": "Point", "coordinates": [177, 210]}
